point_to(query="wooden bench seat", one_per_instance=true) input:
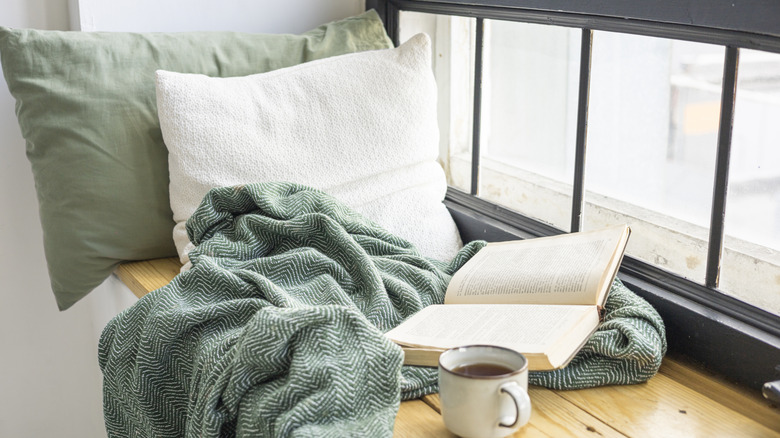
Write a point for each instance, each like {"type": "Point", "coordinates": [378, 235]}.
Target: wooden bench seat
{"type": "Point", "coordinates": [681, 401]}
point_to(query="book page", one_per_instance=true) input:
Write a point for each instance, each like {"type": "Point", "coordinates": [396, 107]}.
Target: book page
{"type": "Point", "coordinates": [526, 328]}
{"type": "Point", "coordinates": [565, 269]}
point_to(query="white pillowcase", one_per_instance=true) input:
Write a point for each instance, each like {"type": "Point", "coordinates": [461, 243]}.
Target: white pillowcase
{"type": "Point", "coordinates": [362, 127]}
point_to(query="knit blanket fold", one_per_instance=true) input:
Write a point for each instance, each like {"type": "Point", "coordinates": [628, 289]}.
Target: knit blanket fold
{"type": "Point", "coordinates": [277, 329]}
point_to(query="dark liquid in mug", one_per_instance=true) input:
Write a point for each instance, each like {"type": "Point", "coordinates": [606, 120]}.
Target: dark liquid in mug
{"type": "Point", "coordinates": [482, 369]}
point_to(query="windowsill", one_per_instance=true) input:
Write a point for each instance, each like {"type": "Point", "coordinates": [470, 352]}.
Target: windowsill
{"type": "Point", "coordinates": [719, 332]}
{"type": "Point", "coordinates": [750, 268]}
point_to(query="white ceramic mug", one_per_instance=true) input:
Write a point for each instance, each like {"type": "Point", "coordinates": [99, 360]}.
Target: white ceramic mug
{"type": "Point", "coordinates": [489, 400]}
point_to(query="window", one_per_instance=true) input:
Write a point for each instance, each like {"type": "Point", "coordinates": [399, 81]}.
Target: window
{"type": "Point", "coordinates": [652, 140]}
{"type": "Point", "coordinates": [514, 147]}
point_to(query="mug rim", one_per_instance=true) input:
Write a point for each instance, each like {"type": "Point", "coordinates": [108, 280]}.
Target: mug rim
{"type": "Point", "coordinates": [520, 370]}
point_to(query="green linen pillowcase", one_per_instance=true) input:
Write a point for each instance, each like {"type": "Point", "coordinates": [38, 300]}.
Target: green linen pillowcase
{"type": "Point", "coordinates": [87, 109]}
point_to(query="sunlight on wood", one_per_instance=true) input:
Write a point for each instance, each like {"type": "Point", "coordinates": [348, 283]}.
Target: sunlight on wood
{"type": "Point", "coordinates": [148, 275]}
{"type": "Point", "coordinates": [417, 419]}
{"type": "Point", "coordinates": [663, 407]}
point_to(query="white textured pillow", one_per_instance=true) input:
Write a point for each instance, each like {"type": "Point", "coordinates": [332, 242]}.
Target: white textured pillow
{"type": "Point", "coordinates": [362, 127]}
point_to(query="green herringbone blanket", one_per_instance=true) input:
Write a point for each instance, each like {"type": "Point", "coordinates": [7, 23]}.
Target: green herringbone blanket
{"type": "Point", "coordinates": [277, 328]}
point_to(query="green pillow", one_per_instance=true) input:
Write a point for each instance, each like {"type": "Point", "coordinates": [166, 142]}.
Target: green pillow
{"type": "Point", "coordinates": [87, 109]}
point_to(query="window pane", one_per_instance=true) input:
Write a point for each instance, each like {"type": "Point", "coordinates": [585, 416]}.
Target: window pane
{"type": "Point", "coordinates": [529, 106]}
{"type": "Point", "coordinates": [453, 65]}
{"type": "Point", "coordinates": [652, 138]}
{"type": "Point", "coordinates": [751, 258]}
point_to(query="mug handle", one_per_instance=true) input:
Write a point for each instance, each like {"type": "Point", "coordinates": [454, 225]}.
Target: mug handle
{"type": "Point", "coordinates": [522, 405]}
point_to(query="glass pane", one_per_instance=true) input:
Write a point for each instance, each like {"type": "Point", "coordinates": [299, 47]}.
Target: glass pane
{"type": "Point", "coordinates": [529, 110]}
{"type": "Point", "coordinates": [750, 269]}
{"type": "Point", "coordinates": [652, 138]}
{"type": "Point", "coordinates": [453, 66]}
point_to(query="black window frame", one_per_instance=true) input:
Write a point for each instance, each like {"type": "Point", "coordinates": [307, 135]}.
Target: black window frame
{"type": "Point", "coordinates": [725, 335]}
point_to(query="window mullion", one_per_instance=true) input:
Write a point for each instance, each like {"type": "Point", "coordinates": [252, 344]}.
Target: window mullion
{"type": "Point", "coordinates": [578, 188]}
{"type": "Point", "coordinates": [719, 191]}
{"type": "Point", "coordinates": [477, 121]}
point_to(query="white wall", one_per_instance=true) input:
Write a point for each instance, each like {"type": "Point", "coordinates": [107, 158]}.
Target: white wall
{"type": "Point", "coordinates": [49, 378]}
{"type": "Point", "coordinates": [288, 16]}
{"type": "Point", "coordinates": [50, 383]}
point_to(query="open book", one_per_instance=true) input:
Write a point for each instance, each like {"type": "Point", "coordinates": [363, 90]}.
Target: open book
{"type": "Point", "coordinates": [541, 297]}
